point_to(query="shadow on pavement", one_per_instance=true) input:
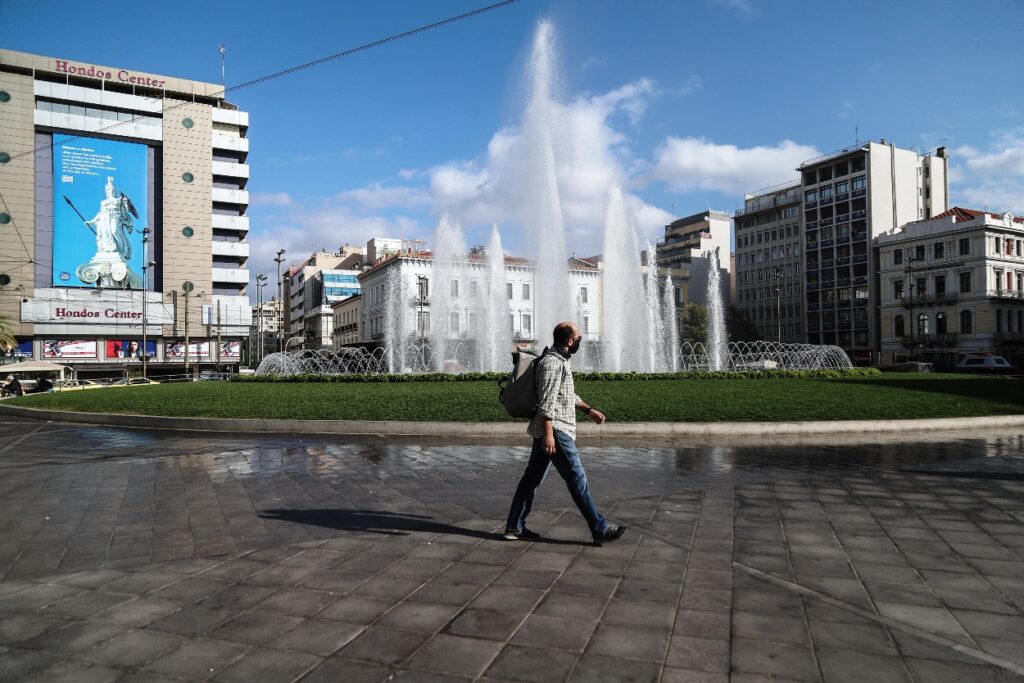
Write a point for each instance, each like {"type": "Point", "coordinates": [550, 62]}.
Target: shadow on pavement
{"type": "Point", "coordinates": [390, 523]}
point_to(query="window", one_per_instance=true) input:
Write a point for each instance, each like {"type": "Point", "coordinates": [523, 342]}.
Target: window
{"type": "Point", "coordinates": [938, 250]}
{"type": "Point", "coordinates": [453, 323]}
{"type": "Point", "coordinates": [508, 288]}
{"type": "Point", "coordinates": [996, 244]}
{"type": "Point", "coordinates": [922, 324]}
{"type": "Point", "coordinates": [919, 252]}
{"type": "Point", "coordinates": [526, 292]}
{"type": "Point", "coordinates": [453, 288]}
{"type": "Point", "coordinates": [583, 295]}
{"type": "Point", "coordinates": [922, 287]}
{"type": "Point", "coordinates": [965, 246]}
{"type": "Point", "coordinates": [857, 183]}
{"type": "Point", "coordinates": [999, 320]}
{"type": "Point", "coordinates": [965, 282]}
{"type": "Point", "coordinates": [842, 187]}
{"type": "Point", "coordinates": [511, 322]}
{"type": "Point", "coordinates": [474, 288]}
{"type": "Point", "coordinates": [897, 289]}
{"type": "Point", "coordinates": [789, 212]}
{"type": "Point", "coordinates": [860, 293]}
{"type": "Point", "coordinates": [527, 323]}
{"type": "Point", "coordinates": [966, 326]}
{"type": "Point", "coordinates": [586, 325]}
{"type": "Point", "coordinates": [424, 286]}
{"type": "Point", "coordinates": [940, 284]}
{"type": "Point", "coordinates": [810, 196]}
{"type": "Point", "coordinates": [897, 257]}
{"type": "Point", "coordinates": [940, 323]}
{"type": "Point", "coordinates": [474, 321]}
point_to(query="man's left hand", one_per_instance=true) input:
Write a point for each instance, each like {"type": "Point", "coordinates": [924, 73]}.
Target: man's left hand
{"type": "Point", "coordinates": [596, 416]}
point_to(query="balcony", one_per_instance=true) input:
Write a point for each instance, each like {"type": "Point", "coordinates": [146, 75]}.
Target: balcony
{"type": "Point", "coordinates": [1006, 294]}
{"type": "Point", "coordinates": [824, 200]}
{"type": "Point", "coordinates": [857, 215]}
{"type": "Point", "coordinates": [860, 258]}
{"type": "Point", "coordinates": [843, 261]}
{"type": "Point", "coordinates": [828, 305]}
{"type": "Point", "coordinates": [933, 340]}
{"type": "Point", "coordinates": [812, 265]}
{"type": "Point", "coordinates": [843, 218]}
{"type": "Point", "coordinates": [1003, 337]}
{"type": "Point", "coordinates": [811, 225]}
{"type": "Point", "coordinates": [827, 263]}
{"type": "Point", "coordinates": [812, 245]}
{"type": "Point", "coordinates": [223, 222]}
{"type": "Point", "coordinates": [810, 205]}
{"type": "Point", "coordinates": [845, 239]}
{"type": "Point", "coordinates": [859, 236]}
{"type": "Point", "coordinates": [417, 301]}
{"type": "Point", "coordinates": [826, 222]}
{"type": "Point", "coordinates": [858, 193]}
{"type": "Point", "coordinates": [843, 282]}
{"type": "Point", "coordinates": [860, 279]}
{"type": "Point", "coordinates": [812, 307]}
{"type": "Point", "coordinates": [861, 301]}
{"type": "Point", "coordinates": [842, 196]}
{"type": "Point", "coordinates": [812, 285]}
{"type": "Point", "coordinates": [827, 243]}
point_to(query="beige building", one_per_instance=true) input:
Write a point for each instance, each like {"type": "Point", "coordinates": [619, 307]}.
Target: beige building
{"type": "Point", "coordinates": [347, 320]}
{"type": "Point", "coordinates": [952, 285]}
{"type": "Point", "coordinates": [123, 224]}
{"type": "Point", "coordinates": [686, 244]}
{"type": "Point", "coordinates": [323, 279]}
{"type": "Point", "coordinates": [850, 197]}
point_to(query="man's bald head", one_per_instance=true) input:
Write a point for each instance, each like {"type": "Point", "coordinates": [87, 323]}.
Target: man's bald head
{"type": "Point", "coordinates": [564, 333]}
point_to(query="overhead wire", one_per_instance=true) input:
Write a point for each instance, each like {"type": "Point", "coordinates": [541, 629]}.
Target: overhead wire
{"type": "Point", "coordinates": [263, 79]}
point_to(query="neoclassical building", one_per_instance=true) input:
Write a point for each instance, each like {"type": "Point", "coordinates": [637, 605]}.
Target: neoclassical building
{"type": "Point", "coordinates": [952, 285]}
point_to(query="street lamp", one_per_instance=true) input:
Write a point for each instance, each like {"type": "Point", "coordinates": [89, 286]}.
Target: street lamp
{"type": "Point", "coordinates": [186, 287]}
{"type": "Point", "coordinates": [421, 284]}
{"type": "Point", "coordinates": [280, 323]}
{"type": "Point", "coordinates": [261, 282]}
{"type": "Point", "coordinates": [146, 263]}
{"type": "Point", "coordinates": [778, 300]}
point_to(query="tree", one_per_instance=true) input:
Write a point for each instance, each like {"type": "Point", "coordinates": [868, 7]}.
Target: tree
{"type": "Point", "coordinates": [695, 323]}
{"type": "Point", "coordinates": [738, 327]}
{"type": "Point", "coordinates": [7, 340]}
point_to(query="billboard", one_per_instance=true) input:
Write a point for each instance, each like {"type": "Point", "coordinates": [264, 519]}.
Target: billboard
{"type": "Point", "coordinates": [100, 206]}
{"type": "Point", "coordinates": [231, 349]}
{"type": "Point", "coordinates": [130, 349]}
{"type": "Point", "coordinates": [69, 348]}
{"type": "Point", "coordinates": [22, 349]}
{"type": "Point", "coordinates": [196, 349]}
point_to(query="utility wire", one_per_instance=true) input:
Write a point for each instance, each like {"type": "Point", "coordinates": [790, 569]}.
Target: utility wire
{"type": "Point", "coordinates": [300, 67]}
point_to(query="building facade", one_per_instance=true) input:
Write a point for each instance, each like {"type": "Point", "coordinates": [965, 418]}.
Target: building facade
{"type": "Point", "coordinates": [347, 315]}
{"type": "Point", "coordinates": [325, 278]}
{"type": "Point", "coordinates": [123, 228]}
{"type": "Point", "coordinates": [849, 198]}
{"type": "Point", "coordinates": [686, 245]}
{"type": "Point", "coordinates": [768, 270]}
{"type": "Point", "coordinates": [952, 285]}
{"type": "Point", "coordinates": [263, 338]}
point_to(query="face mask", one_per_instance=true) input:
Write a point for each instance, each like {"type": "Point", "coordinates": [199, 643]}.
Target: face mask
{"type": "Point", "coordinates": [575, 347]}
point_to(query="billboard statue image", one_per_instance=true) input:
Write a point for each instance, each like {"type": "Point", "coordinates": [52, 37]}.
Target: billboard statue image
{"type": "Point", "coordinates": [231, 349]}
{"type": "Point", "coordinates": [109, 180]}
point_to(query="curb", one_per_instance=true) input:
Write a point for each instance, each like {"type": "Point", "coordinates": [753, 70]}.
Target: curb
{"type": "Point", "coordinates": [518, 429]}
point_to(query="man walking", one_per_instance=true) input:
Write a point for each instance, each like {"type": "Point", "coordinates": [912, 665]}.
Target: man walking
{"type": "Point", "coordinates": [554, 441]}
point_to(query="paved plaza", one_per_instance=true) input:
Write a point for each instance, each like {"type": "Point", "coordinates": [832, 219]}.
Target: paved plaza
{"type": "Point", "coordinates": [144, 555]}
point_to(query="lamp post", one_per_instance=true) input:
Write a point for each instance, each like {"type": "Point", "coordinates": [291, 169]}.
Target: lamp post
{"type": "Point", "coordinates": [421, 284]}
{"type": "Point", "coordinates": [261, 282]}
{"type": "Point", "coordinates": [145, 292]}
{"type": "Point", "coordinates": [778, 300]}
{"type": "Point", "coordinates": [910, 305]}
{"type": "Point", "coordinates": [186, 287]}
{"type": "Point", "coordinates": [280, 323]}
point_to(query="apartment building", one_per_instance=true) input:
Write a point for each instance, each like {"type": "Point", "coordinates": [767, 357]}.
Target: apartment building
{"type": "Point", "coordinates": [952, 285]}
{"type": "Point", "coordinates": [325, 278]}
{"type": "Point", "coordinates": [850, 197]}
{"type": "Point", "coordinates": [686, 245]}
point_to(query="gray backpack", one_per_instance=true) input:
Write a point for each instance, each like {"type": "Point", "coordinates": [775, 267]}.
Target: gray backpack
{"type": "Point", "coordinates": [518, 392]}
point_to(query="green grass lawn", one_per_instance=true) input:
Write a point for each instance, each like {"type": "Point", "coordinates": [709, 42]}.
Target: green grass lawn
{"type": "Point", "coordinates": [895, 396]}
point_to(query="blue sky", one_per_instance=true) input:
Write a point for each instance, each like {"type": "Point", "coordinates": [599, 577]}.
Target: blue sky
{"type": "Point", "coordinates": [689, 104]}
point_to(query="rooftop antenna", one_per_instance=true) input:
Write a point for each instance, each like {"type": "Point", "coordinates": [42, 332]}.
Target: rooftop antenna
{"type": "Point", "coordinates": [223, 83]}
{"type": "Point", "coordinates": [856, 134]}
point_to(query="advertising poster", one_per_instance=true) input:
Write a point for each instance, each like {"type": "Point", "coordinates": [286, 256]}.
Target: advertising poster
{"type": "Point", "coordinates": [100, 205]}
{"type": "Point", "coordinates": [231, 349]}
{"type": "Point", "coordinates": [69, 348]}
{"type": "Point", "coordinates": [196, 349]}
{"type": "Point", "coordinates": [129, 349]}
{"type": "Point", "coordinates": [23, 349]}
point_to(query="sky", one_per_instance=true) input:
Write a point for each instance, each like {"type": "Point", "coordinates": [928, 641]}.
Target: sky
{"type": "Point", "coordinates": [688, 104]}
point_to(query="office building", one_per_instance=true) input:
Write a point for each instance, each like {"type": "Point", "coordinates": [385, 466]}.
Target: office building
{"type": "Point", "coordinates": [849, 198]}
{"type": "Point", "coordinates": [768, 272]}
{"type": "Point", "coordinates": [952, 285]}
{"type": "Point", "coordinates": [123, 223]}
{"type": "Point", "coordinates": [686, 245]}
{"type": "Point", "coordinates": [324, 279]}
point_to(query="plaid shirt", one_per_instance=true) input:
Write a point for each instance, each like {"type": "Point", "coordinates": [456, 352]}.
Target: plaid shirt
{"type": "Point", "coordinates": [557, 396]}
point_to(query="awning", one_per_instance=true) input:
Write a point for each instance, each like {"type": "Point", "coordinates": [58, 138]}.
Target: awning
{"type": "Point", "coordinates": [34, 366]}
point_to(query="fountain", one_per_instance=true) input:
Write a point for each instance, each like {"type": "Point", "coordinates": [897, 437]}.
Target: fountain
{"type": "Point", "coordinates": [716, 315]}
{"type": "Point", "coordinates": [469, 308]}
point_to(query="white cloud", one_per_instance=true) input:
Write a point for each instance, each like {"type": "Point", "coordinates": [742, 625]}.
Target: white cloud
{"type": "Point", "coordinates": [688, 164]}
{"type": "Point", "coordinates": [690, 86]}
{"type": "Point", "coordinates": [270, 199]}
{"type": "Point", "coordinates": [743, 8]}
{"type": "Point", "coordinates": [379, 196]}
{"type": "Point", "coordinates": [992, 178]}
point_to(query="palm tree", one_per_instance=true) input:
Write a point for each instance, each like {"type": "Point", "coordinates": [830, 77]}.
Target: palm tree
{"type": "Point", "coordinates": [7, 340]}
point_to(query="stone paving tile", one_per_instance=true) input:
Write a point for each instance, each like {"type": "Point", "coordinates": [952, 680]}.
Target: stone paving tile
{"type": "Point", "coordinates": [306, 579]}
{"type": "Point", "coordinates": [79, 672]}
{"type": "Point", "coordinates": [268, 666]}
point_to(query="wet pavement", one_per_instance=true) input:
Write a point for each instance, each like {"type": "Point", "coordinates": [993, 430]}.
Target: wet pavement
{"type": "Point", "coordinates": [143, 555]}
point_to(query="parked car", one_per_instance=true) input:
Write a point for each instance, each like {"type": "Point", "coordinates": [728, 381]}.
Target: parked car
{"type": "Point", "coordinates": [75, 384]}
{"type": "Point", "coordinates": [909, 366]}
{"type": "Point", "coordinates": [984, 362]}
{"type": "Point", "coordinates": [133, 382]}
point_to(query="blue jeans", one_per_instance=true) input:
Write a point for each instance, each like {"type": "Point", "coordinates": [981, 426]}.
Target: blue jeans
{"type": "Point", "coordinates": [567, 461]}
